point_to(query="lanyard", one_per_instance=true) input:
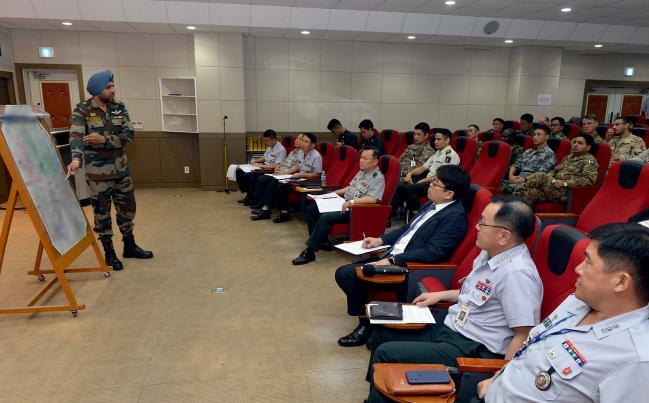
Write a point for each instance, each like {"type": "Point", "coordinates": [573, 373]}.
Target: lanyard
{"type": "Point", "coordinates": [543, 335]}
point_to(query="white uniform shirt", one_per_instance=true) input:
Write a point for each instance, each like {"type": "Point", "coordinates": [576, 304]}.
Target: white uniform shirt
{"type": "Point", "coordinates": [603, 362]}
{"type": "Point", "coordinates": [402, 243]}
{"type": "Point", "coordinates": [501, 293]}
{"type": "Point", "coordinates": [274, 154]}
{"type": "Point", "coordinates": [441, 157]}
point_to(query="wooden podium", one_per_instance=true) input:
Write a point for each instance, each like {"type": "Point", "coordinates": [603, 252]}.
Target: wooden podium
{"type": "Point", "coordinates": [28, 183]}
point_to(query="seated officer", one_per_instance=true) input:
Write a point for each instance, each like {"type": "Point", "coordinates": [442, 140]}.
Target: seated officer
{"type": "Point", "coordinates": [526, 121]}
{"type": "Point", "coordinates": [595, 346]}
{"type": "Point", "coordinates": [430, 237]}
{"type": "Point", "coordinates": [366, 187]}
{"type": "Point", "coordinates": [642, 157]}
{"type": "Point", "coordinates": [557, 125]}
{"type": "Point", "coordinates": [589, 125]}
{"type": "Point", "coordinates": [274, 155]}
{"type": "Point", "coordinates": [497, 125]}
{"type": "Point", "coordinates": [410, 190]}
{"type": "Point", "coordinates": [370, 139]}
{"type": "Point", "coordinates": [258, 183]}
{"type": "Point", "coordinates": [417, 153]}
{"type": "Point", "coordinates": [276, 193]}
{"type": "Point", "coordinates": [624, 144]}
{"type": "Point", "coordinates": [499, 302]}
{"type": "Point", "coordinates": [343, 136]}
{"type": "Point", "coordinates": [538, 159]}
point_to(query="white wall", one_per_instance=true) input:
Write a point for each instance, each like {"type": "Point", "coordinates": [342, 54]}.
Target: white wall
{"type": "Point", "coordinates": [33, 90]}
{"type": "Point", "coordinates": [6, 62]}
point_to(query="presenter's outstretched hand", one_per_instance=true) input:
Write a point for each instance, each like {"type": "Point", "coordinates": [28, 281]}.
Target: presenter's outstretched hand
{"type": "Point", "coordinates": [73, 168]}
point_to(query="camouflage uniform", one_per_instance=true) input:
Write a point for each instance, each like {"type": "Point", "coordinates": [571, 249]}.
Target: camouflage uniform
{"type": "Point", "coordinates": [417, 153]}
{"type": "Point", "coordinates": [517, 151]}
{"type": "Point", "coordinates": [596, 137]}
{"type": "Point", "coordinates": [642, 157]}
{"type": "Point", "coordinates": [576, 170]}
{"type": "Point", "coordinates": [532, 161]}
{"type": "Point", "coordinates": [627, 148]}
{"type": "Point", "coordinates": [107, 171]}
{"type": "Point", "coordinates": [559, 136]}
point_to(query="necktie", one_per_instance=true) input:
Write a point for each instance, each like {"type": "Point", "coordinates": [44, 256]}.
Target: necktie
{"type": "Point", "coordinates": [420, 217]}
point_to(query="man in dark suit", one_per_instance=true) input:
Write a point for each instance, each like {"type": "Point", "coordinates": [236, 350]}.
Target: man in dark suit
{"type": "Point", "coordinates": [430, 237]}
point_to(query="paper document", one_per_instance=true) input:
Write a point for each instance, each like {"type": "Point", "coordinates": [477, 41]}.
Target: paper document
{"type": "Point", "coordinates": [645, 223]}
{"type": "Point", "coordinates": [232, 172]}
{"type": "Point", "coordinates": [280, 177]}
{"type": "Point", "coordinates": [356, 248]}
{"type": "Point", "coordinates": [411, 314]}
{"type": "Point", "coordinates": [248, 168]}
{"type": "Point", "coordinates": [329, 202]}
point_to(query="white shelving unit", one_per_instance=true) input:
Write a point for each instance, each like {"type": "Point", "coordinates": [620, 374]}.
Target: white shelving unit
{"type": "Point", "coordinates": [178, 104]}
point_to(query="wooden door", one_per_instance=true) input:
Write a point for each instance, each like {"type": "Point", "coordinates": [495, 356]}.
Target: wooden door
{"type": "Point", "coordinates": [597, 105]}
{"type": "Point", "coordinates": [5, 99]}
{"type": "Point", "coordinates": [631, 105]}
{"type": "Point", "coordinates": [56, 102]}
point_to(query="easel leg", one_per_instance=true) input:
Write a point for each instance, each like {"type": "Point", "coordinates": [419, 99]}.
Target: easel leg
{"type": "Point", "coordinates": [37, 263]}
{"type": "Point", "coordinates": [6, 223]}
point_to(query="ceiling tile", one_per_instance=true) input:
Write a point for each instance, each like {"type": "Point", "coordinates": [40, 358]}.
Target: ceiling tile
{"type": "Point", "coordinates": [641, 36]}
{"type": "Point", "coordinates": [113, 26]}
{"type": "Point", "coordinates": [456, 25]}
{"type": "Point", "coordinates": [340, 35]}
{"type": "Point", "coordinates": [230, 14]}
{"type": "Point", "coordinates": [556, 30]}
{"type": "Point", "coordinates": [311, 18]}
{"type": "Point", "coordinates": [421, 23]}
{"type": "Point", "coordinates": [400, 6]}
{"type": "Point", "coordinates": [270, 17]}
{"type": "Point", "coordinates": [316, 3]}
{"type": "Point", "coordinates": [588, 32]}
{"type": "Point", "coordinates": [618, 33]}
{"type": "Point", "coordinates": [282, 3]}
{"type": "Point", "coordinates": [348, 20]}
{"type": "Point", "coordinates": [358, 4]}
{"type": "Point", "coordinates": [182, 12]}
{"type": "Point", "coordinates": [380, 21]}
{"type": "Point", "coordinates": [145, 11]}
{"type": "Point", "coordinates": [63, 9]}
{"type": "Point", "coordinates": [524, 29]}
{"type": "Point", "coordinates": [16, 9]}
{"type": "Point", "coordinates": [102, 10]}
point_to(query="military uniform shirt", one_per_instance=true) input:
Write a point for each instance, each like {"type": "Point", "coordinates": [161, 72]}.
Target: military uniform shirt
{"type": "Point", "coordinates": [441, 157]}
{"type": "Point", "coordinates": [311, 163]}
{"type": "Point", "coordinates": [642, 157]}
{"type": "Point", "coordinates": [625, 149]}
{"type": "Point", "coordinates": [596, 137]}
{"type": "Point", "coordinates": [419, 153]}
{"type": "Point", "coordinates": [101, 161]}
{"type": "Point", "coordinates": [603, 362]}
{"type": "Point", "coordinates": [366, 184]}
{"type": "Point", "coordinates": [501, 292]}
{"type": "Point", "coordinates": [348, 139]}
{"type": "Point", "coordinates": [275, 154]}
{"type": "Point", "coordinates": [577, 170]}
{"type": "Point", "coordinates": [533, 160]}
{"type": "Point", "coordinates": [376, 142]}
{"type": "Point", "coordinates": [292, 159]}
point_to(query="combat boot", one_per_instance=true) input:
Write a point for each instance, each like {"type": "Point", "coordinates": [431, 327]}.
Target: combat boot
{"type": "Point", "coordinates": [132, 250]}
{"type": "Point", "coordinates": [110, 257]}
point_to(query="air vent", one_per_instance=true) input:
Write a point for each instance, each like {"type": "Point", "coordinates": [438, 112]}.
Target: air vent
{"type": "Point", "coordinates": [491, 27]}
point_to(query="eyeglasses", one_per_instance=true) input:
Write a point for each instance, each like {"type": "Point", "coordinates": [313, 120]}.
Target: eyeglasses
{"type": "Point", "coordinates": [434, 183]}
{"type": "Point", "coordinates": [482, 224]}
{"type": "Point", "coordinates": [368, 158]}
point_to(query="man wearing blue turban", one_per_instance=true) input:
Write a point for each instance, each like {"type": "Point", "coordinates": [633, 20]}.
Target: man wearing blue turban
{"type": "Point", "coordinates": [99, 132]}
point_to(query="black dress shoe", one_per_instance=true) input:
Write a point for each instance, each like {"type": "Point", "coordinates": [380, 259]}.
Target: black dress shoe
{"type": "Point", "coordinates": [255, 212]}
{"type": "Point", "coordinates": [282, 217]}
{"type": "Point", "coordinates": [244, 200]}
{"type": "Point", "coordinates": [256, 206]}
{"type": "Point", "coordinates": [263, 215]}
{"type": "Point", "coordinates": [357, 337]}
{"type": "Point", "coordinates": [326, 246]}
{"type": "Point", "coordinates": [305, 257]}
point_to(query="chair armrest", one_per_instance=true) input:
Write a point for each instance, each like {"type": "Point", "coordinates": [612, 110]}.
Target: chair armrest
{"type": "Point", "coordinates": [557, 216]}
{"type": "Point", "coordinates": [579, 197]}
{"type": "Point", "coordinates": [380, 278]}
{"type": "Point", "coordinates": [300, 189]}
{"type": "Point", "coordinates": [479, 364]}
{"type": "Point", "coordinates": [430, 266]}
{"type": "Point", "coordinates": [405, 326]}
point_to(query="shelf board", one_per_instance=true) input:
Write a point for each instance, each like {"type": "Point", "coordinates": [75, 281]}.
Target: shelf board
{"type": "Point", "coordinates": [179, 131]}
{"type": "Point", "coordinates": [179, 114]}
{"type": "Point", "coordinates": [179, 96]}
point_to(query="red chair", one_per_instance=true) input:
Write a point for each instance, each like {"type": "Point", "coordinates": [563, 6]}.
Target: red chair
{"type": "Point", "coordinates": [489, 136]}
{"type": "Point", "coordinates": [466, 148]}
{"type": "Point", "coordinates": [570, 130]}
{"type": "Point", "coordinates": [622, 195]}
{"type": "Point", "coordinates": [343, 159]}
{"type": "Point", "coordinates": [391, 140]}
{"type": "Point", "coordinates": [512, 124]}
{"type": "Point", "coordinates": [458, 133]}
{"type": "Point", "coordinates": [407, 138]}
{"type": "Point", "coordinates": [561, 148]}
{"type": "Point", "coordinates": [643, 133]}
{"type": "Point", "coordinates": [288, 142]}
{"type": "Point", "coordinates": [492, 164]}
{"type": "Point", "coordinates": [524, 141]}
{"type": "Point", "coordinates": [328, 152]}
{"type": "Point", "coordinates": [371, 219]}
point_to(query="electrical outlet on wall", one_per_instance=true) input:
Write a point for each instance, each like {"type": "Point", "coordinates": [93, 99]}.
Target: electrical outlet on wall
{"type": "Point", "coordinates": [186, 169]}
{"type": "Point", "coordinates": [137, 124]}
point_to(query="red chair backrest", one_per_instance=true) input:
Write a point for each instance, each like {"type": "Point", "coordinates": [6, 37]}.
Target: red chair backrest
{"type": "Point", "coordinates": [466, 148]}
{"type": "Point", "coordinates": [561, 148]}
{"type": "Point", "coordinates": [391, 169]}
{"type": "Point", "coordinates": [391, 141]}
{"type": "Point", "coordinates": [407, 138]}
{"type": "Point", "coordinates": [474, 203]}
{"type": "Point", "coordinates": [354, 170]}
{"type": "Point", "coordinates": [622, 195]}
{"type": "Point", "coordinates": [512, 124]}
{"type": "Point", "coordinates": [491, 165]}
{"type": "Point", "coordinates": [602, 153]}
{"type": "Point", "coordinates": [570, 130]}
{"type": "Point", "coordinates": [488, 136]}
{"type": "Point", "coordinates": [328, 152]}
{"type": "Point", "coordinates": [524, 141]}
{"type": "Point", "coordinates": [343, 160]}
{"type": "Point", "coordinates": [458, 132]}
{"type": "Point", "coordinates": [289, 143]}
{"type": "Point", "coordinates": [560, 250]}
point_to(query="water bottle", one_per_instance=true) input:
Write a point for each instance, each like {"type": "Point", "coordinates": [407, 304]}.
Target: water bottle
{"type": "Point", "coordinates": [323, 179]}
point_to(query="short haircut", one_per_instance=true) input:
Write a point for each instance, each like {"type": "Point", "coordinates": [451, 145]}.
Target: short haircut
{"type": "Point", "coordinates": [630, 120]}
{"type": "Point", "coordinates": [311, 137]}
{"type": "Point", "coordinates": [474, 125]}
{"type": "Point", "coordinates": [528, 117]}
{"type": "Point", "coordinates": [543, 127]}
{"type": "Point", "coordinates": [591, 117]}
{"type": "Point", "coordinates": [333, 123]}
{"type": "Point", "coordinates": [444, 132]}
{"type": "Point", "coordinates": [499, 120]}
{"type": "Point", "coordinates": [454, 178]}
{"type": "Point", "coordinates": [588, 139]}
{"type": "Point", "coordinates": [423, 126]}
{"type": "Point", "coordinates": [515, 214]}
{"type": "Point", "coordinates": [366, 124]}
{"type": "Point", "coordinates": [562, 121]}
{"type": "Point", "coordinates": [575, 120]}
{"type": "Point", "coordinates": [625, 246]}
{"type": "Point", "coordinates": [270, 133]}
{"type": "Point", "coordinates": [375, 151]}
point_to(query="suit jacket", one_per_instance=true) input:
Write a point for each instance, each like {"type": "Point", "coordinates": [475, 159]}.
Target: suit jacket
{"type": "Point", "coordinates": [436, 239]}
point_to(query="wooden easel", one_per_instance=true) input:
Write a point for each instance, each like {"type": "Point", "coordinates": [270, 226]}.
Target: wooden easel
{"type": "Point", "coordinates": [60, 263]}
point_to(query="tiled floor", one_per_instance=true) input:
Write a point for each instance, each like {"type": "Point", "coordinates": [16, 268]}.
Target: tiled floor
{"type": "Point", "coordinates": [155, 332]}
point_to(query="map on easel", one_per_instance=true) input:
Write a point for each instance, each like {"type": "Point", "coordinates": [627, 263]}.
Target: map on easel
{"type": "Point", "coordinates": [40, 168]}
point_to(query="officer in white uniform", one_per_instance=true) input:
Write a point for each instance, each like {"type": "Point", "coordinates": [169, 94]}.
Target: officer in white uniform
{"type": "Point", "coordinates": [595, 346]}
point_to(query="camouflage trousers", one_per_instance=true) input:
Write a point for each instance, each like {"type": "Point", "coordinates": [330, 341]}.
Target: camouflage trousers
{"type": "Point", "coordinates": [121, 193]}
{"type": "Point", "coordinates": [539, 189]}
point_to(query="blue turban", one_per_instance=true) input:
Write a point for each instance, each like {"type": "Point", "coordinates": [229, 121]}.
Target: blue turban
{"type": "Point", "coordinates": [99, 81]}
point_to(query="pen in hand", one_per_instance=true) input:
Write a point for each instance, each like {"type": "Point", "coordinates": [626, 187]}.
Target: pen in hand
{"type": "Point", "coordinates": [365, 242]}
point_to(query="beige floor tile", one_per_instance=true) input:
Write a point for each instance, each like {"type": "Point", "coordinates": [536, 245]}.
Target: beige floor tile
{"type": "Point", "coordinates": [338, 386]}
{"type": "Point", "coordinates": [106, 395]}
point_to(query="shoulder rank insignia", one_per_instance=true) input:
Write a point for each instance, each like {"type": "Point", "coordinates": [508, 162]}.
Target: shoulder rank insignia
{"type": "Point", "coordinates": [374, 174]}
